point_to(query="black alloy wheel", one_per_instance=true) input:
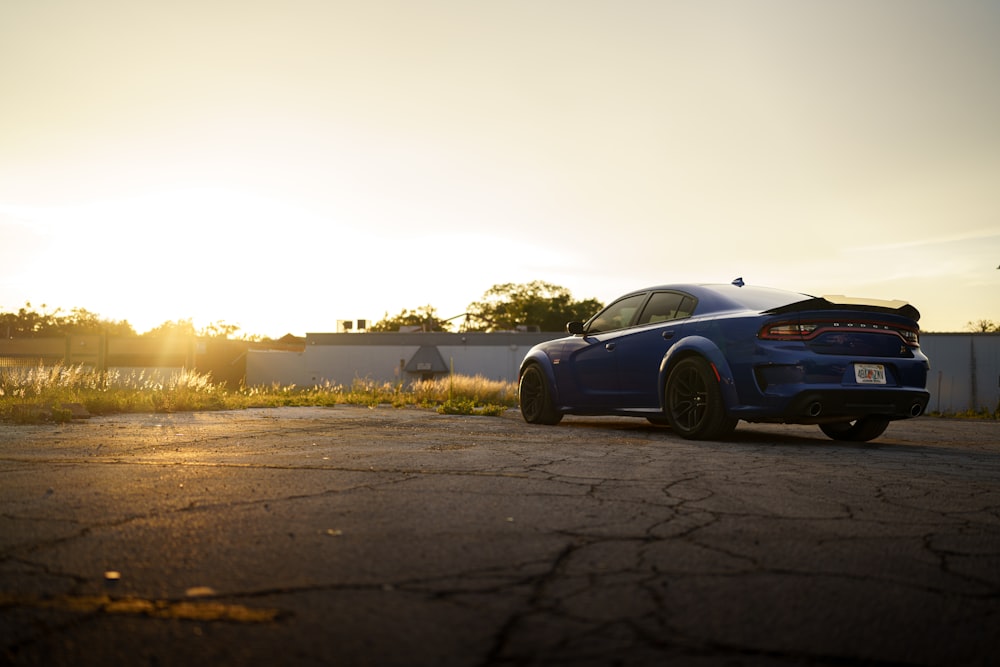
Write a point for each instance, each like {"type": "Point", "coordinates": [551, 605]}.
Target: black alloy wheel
{"type": "Point", "coordinates": [694, 401]}
{"type": "Point", "coordinates": [536, 398]}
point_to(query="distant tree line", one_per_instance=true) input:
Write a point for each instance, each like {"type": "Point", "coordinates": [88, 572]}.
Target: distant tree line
{"type": "Point", "coordinates": [29, 322]}
{"type": "Point", "coordinates": [503, 307]}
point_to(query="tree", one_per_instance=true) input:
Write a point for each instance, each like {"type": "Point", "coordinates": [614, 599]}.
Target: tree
{"type": "Point", "coordinates": [220, 330]}
{"type": "Point", "coordinates": [547, 306]}
{"type": "Point", "coordinates": [82, 321]}
{"type": "Point", "coordinates": [983, 326]}
{"type": "Point", "coordinates": [183, 327]}
{"type": "Point", "coordinates": [424, 317]}
{"type": "Point", "coordinates": [28, 323]}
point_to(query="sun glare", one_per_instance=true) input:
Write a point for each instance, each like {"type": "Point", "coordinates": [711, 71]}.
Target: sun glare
{"type": "Point", "coordinates": [266, 265]}
{"type": "Point", "coordinates": [199, 253]}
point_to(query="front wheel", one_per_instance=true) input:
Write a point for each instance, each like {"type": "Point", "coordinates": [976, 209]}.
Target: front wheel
{"type": "Point", "coordinates": [535, 398]}
{"type": "Point", "coordinates": [859, 430]}
{"type": "Point", "coordinates": [694, 401]}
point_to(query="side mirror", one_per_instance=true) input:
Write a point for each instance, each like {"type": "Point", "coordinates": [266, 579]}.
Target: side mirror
{"type": "Point", "coordinates": [575, 328]}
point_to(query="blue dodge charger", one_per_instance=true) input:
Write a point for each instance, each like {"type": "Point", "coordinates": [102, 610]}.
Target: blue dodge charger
{"type": "Point", "coordinates": [699, 358]}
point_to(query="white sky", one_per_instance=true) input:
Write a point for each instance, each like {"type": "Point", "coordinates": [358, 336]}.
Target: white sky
{"type": "Point", "coordinates": [284, 165]}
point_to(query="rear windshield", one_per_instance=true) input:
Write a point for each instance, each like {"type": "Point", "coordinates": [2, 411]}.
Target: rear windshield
{"type": "Point", "coordinates": [764, 298]}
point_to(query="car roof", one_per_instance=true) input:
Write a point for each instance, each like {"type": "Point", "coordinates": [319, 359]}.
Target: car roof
{"type": "Point", "coordinates": [721, 297]}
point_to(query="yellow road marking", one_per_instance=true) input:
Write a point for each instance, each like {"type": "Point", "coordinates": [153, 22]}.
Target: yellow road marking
{"type": "Point", "coordinates": [182, 610]}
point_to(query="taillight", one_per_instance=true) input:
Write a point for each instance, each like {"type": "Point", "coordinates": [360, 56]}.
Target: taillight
{"type": "Point", "coordinates": [911, 336]}
{"type": "Point", "coordinates": [809, 329]}
{"type": "Point", "coordinates": [788, 330]}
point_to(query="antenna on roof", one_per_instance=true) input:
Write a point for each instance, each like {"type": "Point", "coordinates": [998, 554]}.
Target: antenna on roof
{"type": "Point", "coordinates": [739, 282]}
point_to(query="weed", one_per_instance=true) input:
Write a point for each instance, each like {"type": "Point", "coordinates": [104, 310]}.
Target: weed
{"type": "Point", "coordinates": [457, 406]}
{"type": "Point", "coordinates": [41, 394]}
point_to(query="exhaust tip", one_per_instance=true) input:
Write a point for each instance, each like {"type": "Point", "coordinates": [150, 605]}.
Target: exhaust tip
{"type": "Point", "coordinates": [814, 409]}
{"type": "Point", "coordinates": [915, 410]}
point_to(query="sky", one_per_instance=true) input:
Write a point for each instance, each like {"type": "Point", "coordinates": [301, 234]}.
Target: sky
{"type": "Point", "coordinates": [283, 166]}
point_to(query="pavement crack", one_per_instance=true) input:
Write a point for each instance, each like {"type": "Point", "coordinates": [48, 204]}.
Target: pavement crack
{"type": "Point", "coordinates": [535, 601]}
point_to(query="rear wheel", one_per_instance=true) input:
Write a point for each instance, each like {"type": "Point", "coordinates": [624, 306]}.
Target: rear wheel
{"type": "Point", "coordinates": [859, 430]}
{"type": "Point", "coordinates": [694, 401]}
{"type": "Point", "coordinates": [536, 398]}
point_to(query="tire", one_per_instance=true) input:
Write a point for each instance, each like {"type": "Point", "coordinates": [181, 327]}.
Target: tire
{"type": "Point", "coordinates": [859, 430]}
{"type": "Point", "coordinates": [694, 401]}
{"type": "Point", "coordinates": [535, 398]}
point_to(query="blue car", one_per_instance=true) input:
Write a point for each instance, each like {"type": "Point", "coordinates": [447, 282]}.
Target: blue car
{"type": "Point", "coordinates": [699, 358]}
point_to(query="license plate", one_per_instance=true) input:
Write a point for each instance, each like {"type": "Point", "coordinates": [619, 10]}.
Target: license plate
{"type": "Point", "coordinates": [869, 373]}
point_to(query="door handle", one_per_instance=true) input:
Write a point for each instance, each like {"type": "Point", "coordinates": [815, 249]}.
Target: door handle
{"type": "Point", "coordinates": [667, 335]}
{"type": "Point", "coordinates": [609, 347]}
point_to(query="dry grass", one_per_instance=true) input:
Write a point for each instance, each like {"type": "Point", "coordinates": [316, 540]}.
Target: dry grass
{"type": "Point", "coordinates": [43, 393]}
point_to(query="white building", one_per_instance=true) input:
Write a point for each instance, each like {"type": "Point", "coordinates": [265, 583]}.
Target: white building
{"type": "Point", "coordinates": [340, 358]}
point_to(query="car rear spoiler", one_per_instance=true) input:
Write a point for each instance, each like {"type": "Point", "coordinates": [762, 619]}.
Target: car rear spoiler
{"type": "Point", "coordinates": [838, 302]}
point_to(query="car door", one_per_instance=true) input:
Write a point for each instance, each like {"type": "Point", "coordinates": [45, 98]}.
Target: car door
{"type": "Point", "coordinates": [640, 350]}
{"type": "Point", "coordinates": [589, 367]}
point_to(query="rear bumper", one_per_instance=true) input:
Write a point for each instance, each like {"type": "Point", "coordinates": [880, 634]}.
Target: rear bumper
{"type": "Point", "coordinates": [816, 406]}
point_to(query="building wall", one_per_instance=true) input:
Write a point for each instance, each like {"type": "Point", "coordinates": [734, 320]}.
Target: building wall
{"type": "Point", "coordinates": [276, 367]}
{"type": "Point", "coordinates": [383, 357]}
{"type": "Point", "coordinates": [965, 371]}
{"type": "Point", "coordinates": [964, 374]}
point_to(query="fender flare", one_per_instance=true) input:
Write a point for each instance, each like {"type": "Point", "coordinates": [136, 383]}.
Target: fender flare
{"type": "Point", "coordinates": [542, 360]}
{"type": "Point", "coordinates": [708, 350]}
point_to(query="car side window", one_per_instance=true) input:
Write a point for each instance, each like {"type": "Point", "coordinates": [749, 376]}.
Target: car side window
{"type": "Point", "coordinates": [616, 316]}
{"type": "Point", "coordinates": [665, 306]}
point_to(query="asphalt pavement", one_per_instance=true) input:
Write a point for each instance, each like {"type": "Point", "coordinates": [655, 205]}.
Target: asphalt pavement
{"type": "Point", "coordinates": [357, 536]}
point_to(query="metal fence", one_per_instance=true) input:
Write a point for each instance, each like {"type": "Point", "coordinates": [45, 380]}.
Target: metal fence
{"type": "Point", "coordinates": [965, 371]}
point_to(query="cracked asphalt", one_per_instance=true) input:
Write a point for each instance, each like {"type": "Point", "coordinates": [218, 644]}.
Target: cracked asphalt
{"type": "Point", "coordinates": [356, 536]}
